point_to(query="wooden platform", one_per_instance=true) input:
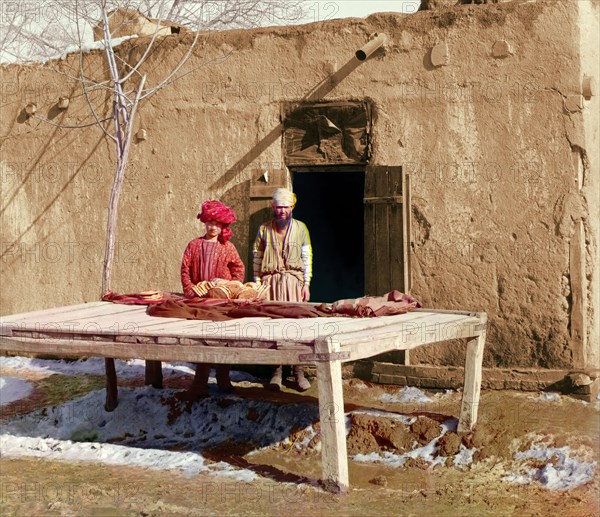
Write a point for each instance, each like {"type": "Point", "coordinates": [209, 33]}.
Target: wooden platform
{"type": "Point", "coordinates": [104, 329]}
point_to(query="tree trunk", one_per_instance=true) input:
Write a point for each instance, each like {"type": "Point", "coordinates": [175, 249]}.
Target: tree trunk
{"type": "Point", "coordinates": [113, 206]}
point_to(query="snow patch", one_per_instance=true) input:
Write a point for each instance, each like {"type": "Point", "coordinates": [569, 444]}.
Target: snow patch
{"type": "Point", "coordinates": [546, 396]}
{"type": "Point", "coordinates": [145, 427]}
{"type": "Point", "coordinates": [13, 388]}
{"type": "Point", "coordinates": [189, 463]}
{"type": "Point", "coordinates": [560, 472]}
{"type": "Point", "coordinates": [406, 394]}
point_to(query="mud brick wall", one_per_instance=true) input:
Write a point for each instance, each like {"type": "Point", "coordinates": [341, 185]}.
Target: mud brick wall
{"type": "Point", "coordinates": [481, 104]}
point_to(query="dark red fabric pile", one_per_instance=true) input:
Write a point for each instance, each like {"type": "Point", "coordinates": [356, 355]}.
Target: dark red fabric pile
{"type": "Point", "coordinates": [221, 310]}
{"type": "Point", "coordinates": [176, 306]}
{"type": "Point", "coordinates": [391, 303]}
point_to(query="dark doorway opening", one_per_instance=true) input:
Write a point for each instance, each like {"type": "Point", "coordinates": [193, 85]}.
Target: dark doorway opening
{"type": "Point", "coordinates": [330, 203]}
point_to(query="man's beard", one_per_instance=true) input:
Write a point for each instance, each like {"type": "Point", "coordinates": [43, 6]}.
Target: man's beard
{"type": "Point", "coordinates": [282, 223]}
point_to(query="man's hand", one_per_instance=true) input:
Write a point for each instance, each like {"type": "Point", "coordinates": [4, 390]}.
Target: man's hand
{"type": "Point", "coordinates": [305, 293]}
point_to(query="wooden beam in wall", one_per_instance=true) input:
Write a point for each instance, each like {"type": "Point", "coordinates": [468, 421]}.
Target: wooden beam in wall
{"type": "Point", "coordinates": [578, 296]}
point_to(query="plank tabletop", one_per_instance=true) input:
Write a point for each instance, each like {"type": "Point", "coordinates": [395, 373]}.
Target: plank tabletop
{"type": "Point", "coordinates": [106, 318]}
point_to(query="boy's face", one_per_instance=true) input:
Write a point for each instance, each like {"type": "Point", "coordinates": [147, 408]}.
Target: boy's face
{"type": "Point", "coordinates": [213, 228]}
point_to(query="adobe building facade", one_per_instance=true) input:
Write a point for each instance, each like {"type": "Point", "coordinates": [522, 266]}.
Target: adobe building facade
{"type": "Point", "coordinates": [483, 118]}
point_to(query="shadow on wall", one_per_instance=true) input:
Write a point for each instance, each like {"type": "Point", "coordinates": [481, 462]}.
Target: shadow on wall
{"type": "Point", "coordinates": [317, 93]}
{"type": "Point", "coordinates": [17, 242]}
{"type": "Point", "coordinates": [256, 219]}
{"type": "Point", "coordinates": [231, 196]}
{"type": "Point", "coordinates": [57, 141]}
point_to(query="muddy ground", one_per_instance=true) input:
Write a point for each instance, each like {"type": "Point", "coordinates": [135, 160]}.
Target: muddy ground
{"type": "Point", "coordinates": [288, 482]}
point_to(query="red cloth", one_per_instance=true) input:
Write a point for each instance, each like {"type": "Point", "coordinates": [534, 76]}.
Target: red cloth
{"type": "Point", "coordinates": [221, 310]}
{"type": "Point", "coordinates": [390, 303]}
{"type": "Point", "coordinates": [216, 211]}
{"type": "Point", "coordinates": [193, 309]}
{"type": "Point", "coordinates": [394, 302]}
{"type": "Point", "coordinates": [226, 264]}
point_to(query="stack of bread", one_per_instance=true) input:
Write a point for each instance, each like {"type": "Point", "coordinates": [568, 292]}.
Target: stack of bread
{"type": "Point", "coordinates": [201, 288]}
{"type": "Point", "coordinates": [219, 291]}
{"type": "Point", "coordinates": [151, 295]}
{"type": "Point", "coordinates": [230, 289]}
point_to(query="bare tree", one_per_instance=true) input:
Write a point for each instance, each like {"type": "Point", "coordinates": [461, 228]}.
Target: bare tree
{"type": "Point", "coordinates": [74, 24]}
{"type": "Point", "coordinates": [42, 29]}
{"type": "Point", "coordinates": [47, 29]}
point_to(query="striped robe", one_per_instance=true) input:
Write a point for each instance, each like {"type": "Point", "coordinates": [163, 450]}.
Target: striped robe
{"type": "Point", "coordinates": [286, 267]}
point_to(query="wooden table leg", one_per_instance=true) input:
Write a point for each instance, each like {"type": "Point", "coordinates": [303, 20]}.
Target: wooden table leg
{"type": "Point", "coordinates": [334, 454]}
{"type": "Point", "coordinates": [472, 386]}
{"type": "Point", "coordinates": [112, 395]}
{"type": "Point", "coordinates": [153, 374]}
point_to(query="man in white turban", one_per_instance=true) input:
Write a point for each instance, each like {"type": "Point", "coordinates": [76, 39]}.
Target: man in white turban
{"type": "Point", "coordinates": [284, 197]}
{"type": "Point", "coordinates": [283, 260]}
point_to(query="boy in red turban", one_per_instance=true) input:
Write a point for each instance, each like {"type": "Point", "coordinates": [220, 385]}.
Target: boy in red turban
{"type": "Point", "coordinates": [210, 257]}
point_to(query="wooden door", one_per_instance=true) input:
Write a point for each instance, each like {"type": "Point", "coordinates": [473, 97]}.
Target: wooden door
{"type": "Point", "coordinates": [387, 230]}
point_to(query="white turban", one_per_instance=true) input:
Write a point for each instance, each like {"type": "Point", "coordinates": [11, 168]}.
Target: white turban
{"type": "Point", "coordinates": [284, 197]}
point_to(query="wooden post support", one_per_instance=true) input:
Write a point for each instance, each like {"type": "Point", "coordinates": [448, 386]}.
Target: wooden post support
{"type": "Point", "coordinates": [333, 420]}
{"type": "Point", "coordinates": [578, 296]}
{"type": "Point", "coordinates": [472, 386]}
{"type": "Point", "coordinates": [112, 395]}
{"type": "Point", "coordinates": [153, 374]}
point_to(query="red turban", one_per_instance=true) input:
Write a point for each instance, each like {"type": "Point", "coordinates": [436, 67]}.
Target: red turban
{"type": "Point", "coordinates": [217, 211]}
